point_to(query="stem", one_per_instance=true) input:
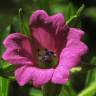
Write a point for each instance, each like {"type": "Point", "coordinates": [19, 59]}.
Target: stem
{"type": "Point", "coordinates": [71, 19]}
{"type": "Point", "coordinates": [50, 89]}
{"type": "Point", "coordinates": [77, 14]}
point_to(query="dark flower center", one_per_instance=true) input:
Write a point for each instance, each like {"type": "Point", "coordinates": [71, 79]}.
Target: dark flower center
{"type": "Point", "coordinates": [46, 58]}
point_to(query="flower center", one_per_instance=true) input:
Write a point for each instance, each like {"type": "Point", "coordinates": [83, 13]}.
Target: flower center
{"type": "Point", "coordinates": [46, 58]}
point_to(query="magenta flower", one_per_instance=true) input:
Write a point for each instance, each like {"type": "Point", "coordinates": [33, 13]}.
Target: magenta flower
{"type": "Point", "coordinates": [50, 39]}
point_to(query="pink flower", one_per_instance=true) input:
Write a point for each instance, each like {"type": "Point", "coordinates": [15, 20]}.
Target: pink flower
{"type": "Point", "coordinates": [50, 38]}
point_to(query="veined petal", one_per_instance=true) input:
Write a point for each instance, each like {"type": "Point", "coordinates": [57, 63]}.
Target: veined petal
{"type": "Point", "coordinates": [41, 76]}
{"type": "Point", "coordinates": [44, 38]}
{"type": "Point", "coordinates": [49, 31]}
{"type": "Point", "coordinates": [75, 33]}
{"type": "Point", "coordinates": [40, 30]}
{"type": "Point", "coordinates": [18, 40]}
{"type": "Point", "coordinates": [12, 56]}
{"type": "Point", "coordinates": [60, 30]}
{"type": "Point", "coordinates": [37, 17]}
{"type": "Point", "coordinates": [18, 49]}
{"type": "Point", "coordinates": [23, 75]}
{"type": "Point", "coordinates": [61, 75]}
{"type": "Point", "coordinates": [37, 76]}
{"type": "Point", "coordinates": [69, 57]}
{"type": "Point", "coordinates": [71, 54]}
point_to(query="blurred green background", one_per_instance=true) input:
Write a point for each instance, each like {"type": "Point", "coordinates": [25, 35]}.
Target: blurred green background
{"type": "Point", "coordinates": [81, 83]}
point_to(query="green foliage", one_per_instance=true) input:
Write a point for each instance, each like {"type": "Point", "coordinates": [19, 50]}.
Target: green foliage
{"type": "Point", "coordinates": [76, 15]}
{"type": "Point", "coordinates": [91, 76]}
{"type": "Point", "coordinates": [23, 23]}
{"type": "Point", "coordinates": [4, 84]}
{"type": "Point", "coordinates": [89, 91]}
{"type": "Point", "coordinates": [67, 90]}
{"type": "Point", "coordinates": [35, 92]}
{"type": "Point", "coordinates": [3, 34]}
{"type": "Point", "coordinates": [90, 12]}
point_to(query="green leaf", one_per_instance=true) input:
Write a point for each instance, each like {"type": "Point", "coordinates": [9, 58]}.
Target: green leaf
{"type": "Point", "coordinates": [78, 13]}
{"type": "Point", "coordinates": [35, 92]}
{"type": "Point", "coordinates": [3, 34]}
{"type": "Point", "coordinates": [67, 9]}
{"type": "Point", "coordinates": [24, 28]}
{"type": "Point", "coordinates": [4, 84]}
{"type": "Point", "coordinates": [7, 71]}
{"type": "Point", "coordinates": [89, 91]}
{"type": "Point", "coordinates": [91, 76]}
{"type": "Point", "coordinates": [67, 90]}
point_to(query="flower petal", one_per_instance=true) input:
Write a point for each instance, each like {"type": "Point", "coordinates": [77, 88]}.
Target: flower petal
{"type": "Point", "coordinates": [75, 33]}
{"type": "Point", "coordinates": [60, 30]}
{"type": "Point", "coordinates": [11, 55]}
{"type": "Point", "coordinates": [49, 31]}
{"type": "Point", "coordinates": [41, 76]}
{"type": "Point", "coordinates": [23, 75]}
{"type": "Point", "coordinates": [18, 49]}
{"type": "Point", "coordinates": [37, 76]}
{"type": "Point", "coordinates": [40, 29]}
{"type": "Point", "coordinates": [71, 54]}
{"type": "Point", "coordinates": [37, 17]}
{"type": "Point", "coordinates": [44, 38]}
{"type": "Point", "coordinates": [61, 75]}
{"type": "Point", "coordinates": [69, 57]}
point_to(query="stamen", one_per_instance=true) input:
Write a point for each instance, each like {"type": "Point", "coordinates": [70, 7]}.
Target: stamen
{"type": "Point", "coordinates": [46, 57]}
